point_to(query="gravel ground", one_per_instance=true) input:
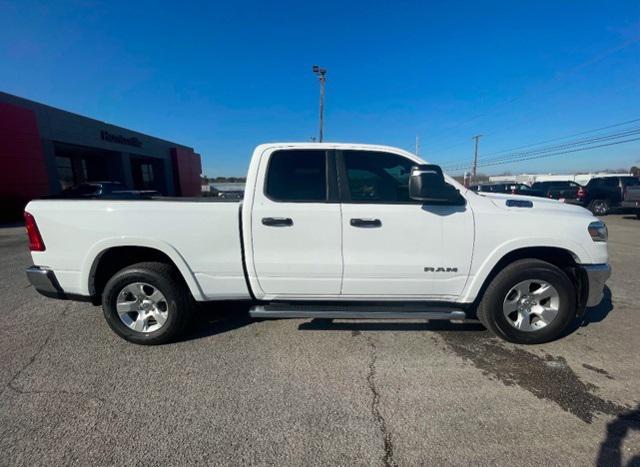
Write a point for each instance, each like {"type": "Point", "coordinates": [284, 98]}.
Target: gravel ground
{"type": "Point", "coordinates": [237, 391]}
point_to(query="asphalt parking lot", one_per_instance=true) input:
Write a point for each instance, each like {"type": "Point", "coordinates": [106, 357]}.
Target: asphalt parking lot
{"type": "Point", "coordinates": [237, 391]}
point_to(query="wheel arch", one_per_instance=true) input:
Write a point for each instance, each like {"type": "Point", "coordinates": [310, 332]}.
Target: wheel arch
{"type": "Point", "coordinates": [563, 258]}
{"type": "Point", "coordinates": [107, 258]}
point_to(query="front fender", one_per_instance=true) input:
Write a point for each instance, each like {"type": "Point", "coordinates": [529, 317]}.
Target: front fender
{"type": "Point", "coordinates": [480, 271]}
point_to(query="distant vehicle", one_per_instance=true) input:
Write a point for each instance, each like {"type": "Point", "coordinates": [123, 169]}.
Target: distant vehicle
{"type": "Point", "coordinates": [509, 188]}
{"type": "Point", "coordinates": [328, 231]}
{"type": "Point", "coordinates": [107, 190]}
{"type": "Point", "coordinates": [557, 189]}
{"type": "Point", "coordinates": [631, 199]}
{"type": "Point", "coordinates": [231, 194]}
{"type": "Point", "coordinates": [602, 194]}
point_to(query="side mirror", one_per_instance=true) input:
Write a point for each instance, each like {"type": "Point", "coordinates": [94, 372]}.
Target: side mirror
{"type": "Point", "coordinates": [427, 184]}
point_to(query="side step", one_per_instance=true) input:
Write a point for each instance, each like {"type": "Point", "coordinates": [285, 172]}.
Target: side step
{"type": "Point", "coordinates": [358, 311]}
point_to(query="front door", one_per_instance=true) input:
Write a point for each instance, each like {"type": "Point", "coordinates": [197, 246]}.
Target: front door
{"type": "Point", "coordinates": [295, 225]}
{"type": "Point", "coordinates": [394, 246]}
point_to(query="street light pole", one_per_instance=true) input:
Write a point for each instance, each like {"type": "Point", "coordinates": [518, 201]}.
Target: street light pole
{"type": "Point", "coordinates": [475, 159]}
{"type": "Point", "coordinates": [321, 73]}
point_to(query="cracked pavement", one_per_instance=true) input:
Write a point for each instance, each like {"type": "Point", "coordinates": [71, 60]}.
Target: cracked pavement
{"type": "Point", "coordinates": [293, 392]}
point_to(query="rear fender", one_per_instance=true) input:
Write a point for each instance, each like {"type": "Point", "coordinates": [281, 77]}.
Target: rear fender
{"type": "Point", "coordinates": [94, 254]}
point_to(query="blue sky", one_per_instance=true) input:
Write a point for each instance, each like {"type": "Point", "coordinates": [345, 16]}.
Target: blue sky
{"type": "Point", "coordinates": [224, 77]}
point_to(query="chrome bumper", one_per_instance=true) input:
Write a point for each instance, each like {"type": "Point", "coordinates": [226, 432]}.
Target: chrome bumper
{"type": "Point", "coordinates": [597, 275]}
{"type": "Point", "coordinates": [45, 282]}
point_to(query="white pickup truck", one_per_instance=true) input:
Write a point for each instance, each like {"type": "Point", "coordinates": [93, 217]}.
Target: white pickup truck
{"type": "Point", "coordinates": [326, 231]}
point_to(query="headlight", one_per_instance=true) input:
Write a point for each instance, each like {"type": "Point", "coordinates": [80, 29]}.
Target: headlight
{"type": "Point", "coordinates": [598, 231]}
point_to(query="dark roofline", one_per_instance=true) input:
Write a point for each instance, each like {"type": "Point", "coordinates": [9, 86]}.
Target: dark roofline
{"type": "Point", "coordinates": [56, 109]}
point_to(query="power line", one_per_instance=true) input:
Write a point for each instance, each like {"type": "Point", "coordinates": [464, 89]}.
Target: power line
{"type": "Point", "coordinates": [562, 152]}
{"type": "Point", "coordinates": [582, 141]}
{"type": "Point", "coordinates": [490, 164]}
{"type": "Point", "coordinates": [579, 142]}
{"type": "Point", "coordinates": [570, 147]}
{"type": "Point", "coordinates": [563, 137]}
{"type": "Point", "coordinates": [562, 76]}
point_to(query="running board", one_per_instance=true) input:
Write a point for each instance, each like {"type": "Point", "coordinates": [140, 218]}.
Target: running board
{"type": "Point", "coordinates": [355, 312]}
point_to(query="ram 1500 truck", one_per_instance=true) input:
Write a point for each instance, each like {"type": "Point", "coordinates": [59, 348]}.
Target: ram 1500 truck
{"type": "Point", "coordinates": [326, 231]}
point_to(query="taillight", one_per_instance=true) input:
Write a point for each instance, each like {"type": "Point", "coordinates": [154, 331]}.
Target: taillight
{"type": "Point", "coordinates": [35, 239]}
{"type": "Point", "coordinates": [582, 192]}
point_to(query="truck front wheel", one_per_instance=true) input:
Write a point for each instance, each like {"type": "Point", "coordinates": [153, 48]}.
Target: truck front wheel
{"type": "Point", "coordinates": [146, 303]}
{"type": "Point", "coordinates": [529, 302]}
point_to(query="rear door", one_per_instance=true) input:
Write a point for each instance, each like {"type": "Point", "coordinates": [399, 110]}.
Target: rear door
{"type": "Point", "coordinates": [394, 246]}
{"type": "Point", "coordinates": [296, 224]}
{"type": "Point", "coordinates": [609, 189]}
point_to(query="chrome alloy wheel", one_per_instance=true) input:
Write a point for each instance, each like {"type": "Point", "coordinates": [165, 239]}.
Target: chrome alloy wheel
{"type": "Point", "coordinates": [142, 307]}
{"type": "Point", "coordinates": [600, 207]}
{"type": "Point", "coordinates": [531, 305]}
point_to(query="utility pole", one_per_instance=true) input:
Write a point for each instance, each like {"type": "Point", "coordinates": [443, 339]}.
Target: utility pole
{"type": "Point", "coordinates": [475, 159]}
{"type": "Point", "coordinates": [321, 73]}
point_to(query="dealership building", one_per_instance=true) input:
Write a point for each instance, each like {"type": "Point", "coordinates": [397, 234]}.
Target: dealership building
{"type": "Point", "coordinates": [44, 150]}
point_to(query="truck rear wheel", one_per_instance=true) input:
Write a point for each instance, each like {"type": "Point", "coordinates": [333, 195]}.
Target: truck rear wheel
{"type": "Point", "coordinates": [529, 302]}
{"type": "Point", "coordinates": [146, 303]}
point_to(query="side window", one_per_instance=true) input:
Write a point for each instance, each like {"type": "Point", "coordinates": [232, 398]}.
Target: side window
{"type": "Point", "coordinates": [377, 177]}
{"type": "Point", "coordinates": [297, 175]}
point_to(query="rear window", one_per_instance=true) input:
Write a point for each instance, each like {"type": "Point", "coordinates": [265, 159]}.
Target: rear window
{"type": "Point", "coordinates": [297, 175]}
{"type": "Point", "coordinates": [541, 184]}
{"type": "Point", "coordinates": [81, 190]}
{"type": "Point", "coordinates": [631, 181]}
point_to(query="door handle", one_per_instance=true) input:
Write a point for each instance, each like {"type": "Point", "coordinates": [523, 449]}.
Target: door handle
{"type": "Point", "coordinates": [277, 221]}
{"type": "Point", "coordinates": [366, 223]}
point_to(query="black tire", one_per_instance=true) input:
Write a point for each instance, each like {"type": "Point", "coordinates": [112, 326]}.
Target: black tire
{"type": "Point", "coordinates": [600, 207]}
{"type": "Point", "coordinates": [490, 310]}
{"type": "Point", "coordinates": [166, 279]}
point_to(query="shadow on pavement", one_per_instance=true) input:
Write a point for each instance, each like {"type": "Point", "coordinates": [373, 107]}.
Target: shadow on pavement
{"type": "Point", "coordinates": [592, 315]}
{"type": "Point", "coordinates": [610, 453]}
{"type": "Point", "coordinates": [331, 325]}
{"type": "Point", "coordinates": [599, 312]}
{"type": "Point", "coordinates": [213, 318]}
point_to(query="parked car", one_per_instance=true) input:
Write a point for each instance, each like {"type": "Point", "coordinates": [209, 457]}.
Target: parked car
{"type": "Point", "coordinates": [557, 189]}
{"type": "Point", "coordinates": [111, 190]}
{"type": "Point", "coordinates": [511, 188]}
{"type": "Point", "coordinates": [603, 194]}
{"type": "Point", "coordinates": [326, 231]}
{"type": "Point", "coordinates": [231, 194]}
{"type": "Point", "coordinates": [631, 199]}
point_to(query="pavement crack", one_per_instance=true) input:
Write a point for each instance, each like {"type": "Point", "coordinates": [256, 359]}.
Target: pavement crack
{"type": "Point", "coordinates": [33, 358]}
{"type": "Point", "coordinates": [28, 364]}
{"type": "Point", "coordinates": [387, 459]}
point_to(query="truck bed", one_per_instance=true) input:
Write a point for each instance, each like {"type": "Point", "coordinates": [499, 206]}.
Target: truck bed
{"type": "Point", "coordinates": [201, 236]}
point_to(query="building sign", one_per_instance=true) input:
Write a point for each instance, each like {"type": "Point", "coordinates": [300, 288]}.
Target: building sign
{"type": "Point", "coordinates": [119, 139]}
